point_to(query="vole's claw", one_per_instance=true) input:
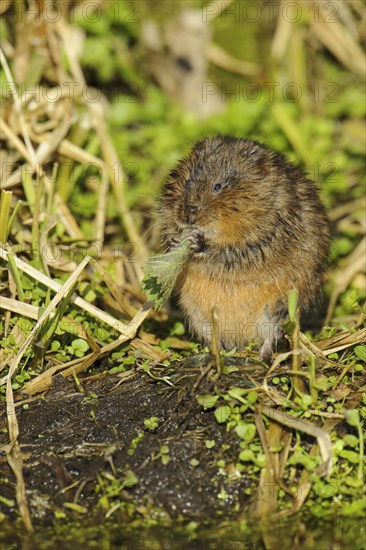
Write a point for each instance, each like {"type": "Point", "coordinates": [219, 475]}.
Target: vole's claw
{"type": "Point", "coordinates": [173, 243]}
{"type": "Point", "coordinates": [198, 241]}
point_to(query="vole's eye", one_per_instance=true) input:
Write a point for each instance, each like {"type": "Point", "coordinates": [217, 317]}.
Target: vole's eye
{"type": "Point", "coordinates": [187, 183]}
{"type": "Point", "coordinates": [217, 187]}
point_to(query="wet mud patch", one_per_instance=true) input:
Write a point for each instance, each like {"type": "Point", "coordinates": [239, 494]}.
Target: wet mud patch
{"type": "Point", "coordinates": [124, 449]}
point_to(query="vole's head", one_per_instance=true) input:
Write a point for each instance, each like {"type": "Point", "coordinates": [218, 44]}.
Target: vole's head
{"type": "Point", "coordinates": [226, 187]}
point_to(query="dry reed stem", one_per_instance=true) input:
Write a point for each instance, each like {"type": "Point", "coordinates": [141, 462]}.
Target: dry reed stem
{"type": "Point", "coordinates": [47, 147]}
{"type": "Point", "coordinates": [115, 290]}
{"type": "Point", "coordinates": [339, 37]}
{"type": "Point", "coordinates": [17, 143]}
{"type": "Point", "coordinates": [18, 107]}
{"type": "Point", "coordinates": [302, 425]}
{"type": "Point", "coordinates": [267, 486]}
{"type": "Point", "coordinates": [12, 450]}
{"type": "Point", "coordinates": [271, 475]}
{"type": "Point", "coordinates": [21, 308]}
{"type": "Point", "coordinates": [305, 482]}
{"type": "Point", "coordinates": [335, 37]}
{"type": "Point", "coordinates": [76, 153]}
{"type": "Point", "coordinates": [281, 38]}
{"type": "Point", "coordinates": [214, 9]}
{"type": "Point", "coordinates": [310, 348]}
{"type": "Point", "coordinates": [346, 209]}
{"type": "Point", "coordinates": [218, 56]}
{"type": "Point", "coordinates": [343, 339]}
{"type": "Point", "coordinates": [100, 217]}
{"type": "Point", "coordinates": [61, 293]}
{"type": "Point", "coordinates": [355, 263]}
{"type": "Point", "coordinates": [33, 312]}
{"type": "Point", "coordinates": [43, 381]}
{"type": "Point", "coordinates": [43, 151]}
{"type": "Point", "coordinates": [117, 178]}
{"type": "Point", "coordinates": [80, 302]}
{"type": "Point", "coordinates": [114, 166]}
{"type": "Point", "coordinates": [148, 351]}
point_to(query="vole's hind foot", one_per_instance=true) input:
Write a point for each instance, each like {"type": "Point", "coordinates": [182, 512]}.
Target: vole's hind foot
{"type": "Point", "coordinates": [266, 353]}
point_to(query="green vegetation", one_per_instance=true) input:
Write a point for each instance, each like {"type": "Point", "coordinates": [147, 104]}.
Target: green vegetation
{"type": "Point", "coordinates": [90, 127]}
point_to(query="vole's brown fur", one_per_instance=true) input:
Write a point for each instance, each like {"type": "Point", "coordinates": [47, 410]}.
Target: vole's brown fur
{"type": "Point", "coordinates": [263, 233]}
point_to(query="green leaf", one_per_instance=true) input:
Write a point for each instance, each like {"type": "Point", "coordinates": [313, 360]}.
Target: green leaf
{"type": "Point", "coordinates": [151, 423]}
{"type": "Point", "coordinates": [353, 417]}
{"type": "Point", "coordinates": [207, 400]}
{"type": "Point", "coordinates": [178, 329]}
{"type": "Point", "coordinates": [252, 397]}
{"type": "Point", "coordinates": [350, 456]}
{"type": "Point", "coordinates": [350, 440]}
{"type": "Point", "coordinates": [79, 346]}
{"type": "Point", "coordinates": [326, 490]}
{"type": "Point", "coordinates": [161, 272]}
{"type": "Point", "coordinates": [245, 431]}
{"type": "Point", "coordinates": [130, 479]}
{"type": "Point", "coordinates": [353, 482]}
{"type": "Point", "coordinates": [222, 414]}
{"type": "Point", "coordinates": [165, 459]}
{"type": "Point", "coordinates": [309, 462]}
{"type": "Point", "coordinates": [355, 508]}
{"type": "Point", "coordinates": [360, 351]}
{"type": "Point", "coordinates": [248, 456]}
{"type": "Point", "coordinates": [237, 393]}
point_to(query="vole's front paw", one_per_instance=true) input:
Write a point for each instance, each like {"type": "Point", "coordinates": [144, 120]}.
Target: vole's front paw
{"type": "Point", "coordinates": [198, 241]}
{"type": "Point", "coordinates": [173, 243]}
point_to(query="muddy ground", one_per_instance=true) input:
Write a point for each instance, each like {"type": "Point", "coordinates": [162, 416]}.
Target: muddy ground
{"type": "Point", "coordinates": [98, 476]}
{"type": "Point", "coordinates": [92, 448]}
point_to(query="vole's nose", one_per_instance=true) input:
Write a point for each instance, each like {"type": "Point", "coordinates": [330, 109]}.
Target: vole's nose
{"type": "Point", "coordinates": [190, 211]}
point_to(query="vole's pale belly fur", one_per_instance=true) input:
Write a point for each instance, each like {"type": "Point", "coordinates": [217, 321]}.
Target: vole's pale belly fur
{"type": "Point", "coordinates": [246, 312]}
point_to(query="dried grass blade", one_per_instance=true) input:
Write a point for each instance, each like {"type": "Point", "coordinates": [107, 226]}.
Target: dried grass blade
{"type": "Point", "coordinates": [114, 289]}
{"type": "Point", "coordinates": [335, 37]}
{"type": "Point", "coordinates": [44, 380]}
{"type": "Point", "coordinates": [101, 211]}
{"type": "Point", "coordinates": [23, 174]}
{"type": "Point", "coordinates": [5, 203]}
{"type": "Point", "coordinates": [22, 308]}
{"type": "Point", "coordinates": [18, 107]}
{"type": "Point", "coordinates": [355, 264]}
{"type": "Point", "coordinates": [221, 58]}
{"type": "Point", "coordinates": [115, 170]}
{"type": "Point", "coordinates": [214, 9]}
{"type": "Point", "coordinates": [321, 435]}
{"type": "Point", "coordinates": [282, 35]}
{"type": "Point", "coordinates": [13, 450]}
{"type": "Point", "coordinates": [83, 304]}
{"type": "Point", "coordinates": [342, 341]}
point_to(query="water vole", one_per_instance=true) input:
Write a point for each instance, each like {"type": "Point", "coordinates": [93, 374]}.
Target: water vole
{"type": "Point", "coordinates": [258, 231]}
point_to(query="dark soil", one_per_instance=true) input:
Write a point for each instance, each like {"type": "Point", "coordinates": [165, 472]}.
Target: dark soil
{"type": "Point", "coordinates": [96, 476]}
{"type": "Point", "coordinates": [79, 446]}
